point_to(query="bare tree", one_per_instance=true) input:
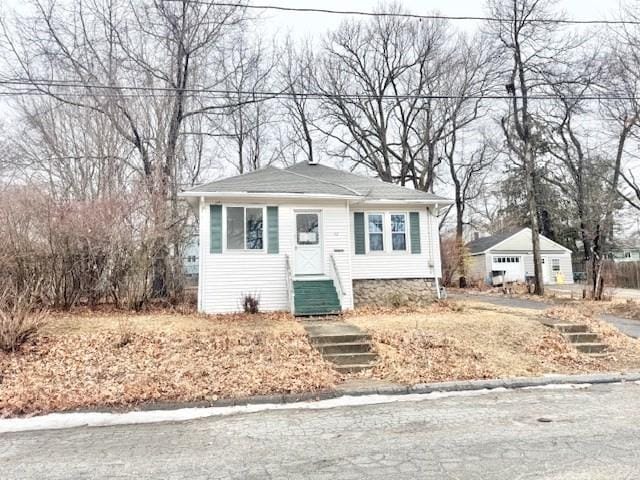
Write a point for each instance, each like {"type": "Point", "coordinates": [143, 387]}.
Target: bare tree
{"type": "Point", "coordinates": [85, 54]}
{"type": "Point", "coordinates": [297, 72]}
{"type": "Point", "coordinates": [530, 44]}
{"type": "Point", "coordinates": [248, 67]}
{"type": "Point", "coordinates": [390, 85]}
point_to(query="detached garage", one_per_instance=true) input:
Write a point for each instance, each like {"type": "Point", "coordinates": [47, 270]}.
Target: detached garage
{"type": "Point", "coordinates": [508, 257]}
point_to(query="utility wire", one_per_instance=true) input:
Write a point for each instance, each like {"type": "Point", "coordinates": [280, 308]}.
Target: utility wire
{"type": "Point", "coordinates": [43, 87]}
{"type": "Point", "coordinates": [408, 15]}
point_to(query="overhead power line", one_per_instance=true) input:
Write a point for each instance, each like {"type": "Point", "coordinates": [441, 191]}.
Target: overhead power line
{"type": "Point", "coordinates": [37, 87]}
{"type": "Point", "coordinates": [409, 15]}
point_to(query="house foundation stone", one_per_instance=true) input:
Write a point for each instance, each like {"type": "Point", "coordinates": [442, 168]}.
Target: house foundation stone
{"type": "Point", "coordinates": [395, 292]}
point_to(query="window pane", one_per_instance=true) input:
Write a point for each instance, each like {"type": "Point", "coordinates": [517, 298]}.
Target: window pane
{"type": "Point", "coordinates": [376, 243]}
{"type": "Point", "coordinates": [376, 229]}
{"type": "Point", "coordinates": [399, 241]}
{"type": "Point", "coordinates": [254, 228]}
{"type": "Point", "coordinates": [375, 223]}
{"type": "Point", "coordinates": [398, 223]}
{"type": "Point", "coordinates": [235, 228]}
{"type": "Point", "coordinates": [307, 228]}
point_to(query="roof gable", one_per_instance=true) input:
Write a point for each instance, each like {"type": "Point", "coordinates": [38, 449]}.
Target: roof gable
{"type": "Point", "coordinates": [517, 240]}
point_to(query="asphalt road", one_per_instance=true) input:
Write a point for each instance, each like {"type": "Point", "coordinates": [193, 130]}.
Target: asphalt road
{"type": "Point", "coordinates": [585, 434]}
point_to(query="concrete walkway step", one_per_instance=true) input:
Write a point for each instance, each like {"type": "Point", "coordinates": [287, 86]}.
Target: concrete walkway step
{"type": "Point", "coordinates": [343, 344]}
{"type": "Point", "coordinates": [352, 368]}
{"type": "Point", "coordinates": [345, 347]}
{"type": "Point", "coordinates": [581, 337]}
{"type": "Point", "coordinates": [578, 335]}
{"type": "Point", "coordinates": [590, 347]}
{"type": "Point", "coordinates": [357, 358]}
{"type": "Point", "coordinates": [566, 327]}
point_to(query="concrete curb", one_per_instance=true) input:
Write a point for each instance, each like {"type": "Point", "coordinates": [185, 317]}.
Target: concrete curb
{"type": "Point", "coordinates": [515, 383]}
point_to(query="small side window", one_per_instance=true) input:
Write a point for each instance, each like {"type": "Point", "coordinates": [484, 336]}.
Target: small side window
{"type": "Point", "coordinates": [375, 228]}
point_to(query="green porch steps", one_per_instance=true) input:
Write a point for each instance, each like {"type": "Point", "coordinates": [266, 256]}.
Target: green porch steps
{"type": "Point", "coordinates": [315, 297]}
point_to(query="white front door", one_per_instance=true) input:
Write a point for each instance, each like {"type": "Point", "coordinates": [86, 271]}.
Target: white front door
{"type": "Point", "coordinates": [308, 259]}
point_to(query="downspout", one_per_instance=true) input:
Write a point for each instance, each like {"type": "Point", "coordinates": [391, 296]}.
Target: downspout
{"type": "Point", "coordinates": [349, 252]}
{"type": "Point", "coordinates": [433, 255]}
{"type": "Point", "coordinates": [201, 250]}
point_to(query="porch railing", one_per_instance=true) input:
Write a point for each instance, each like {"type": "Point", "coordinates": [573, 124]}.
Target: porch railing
{"type": "Point", "coordinates": [289, 282]}
{"type": "Point", "coordinates": [336, 276]}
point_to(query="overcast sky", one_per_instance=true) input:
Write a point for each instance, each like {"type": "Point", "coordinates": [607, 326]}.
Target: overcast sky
{"type": "Point", "coordinates": [311, 23]}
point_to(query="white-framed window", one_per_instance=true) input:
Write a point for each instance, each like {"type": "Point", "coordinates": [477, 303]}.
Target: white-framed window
{"type": "Point", "coordinates": [398, 232]}
{"type": "Point", "coordinates": [375, 232]}
{"type": "Point", "coordinates": [555, 264]}
{"type": "Point", "coordinates": [506, 259]}
{"type": "Point", "coordinates": [245, 228]}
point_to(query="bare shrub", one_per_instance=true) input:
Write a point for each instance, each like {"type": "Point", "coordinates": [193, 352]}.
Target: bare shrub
{"type": "Point", "coordinates": [21, 319]}
{"type": "Point", "coordinates": [125, 332]}
{"type": "Point", "coordinates": [250, 303]}
{"type": "Point", "coordinates": [397, 300]}
{"type": "Point", "coordinates": [455, 261]}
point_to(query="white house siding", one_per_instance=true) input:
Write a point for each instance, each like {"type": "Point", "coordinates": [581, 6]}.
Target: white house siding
{"type": "Point", "coordinates": [226, 277]}
{"type": "Point", "coordinates": [478, 267]}
{"type": "Point", "coordinates": [388, 264]}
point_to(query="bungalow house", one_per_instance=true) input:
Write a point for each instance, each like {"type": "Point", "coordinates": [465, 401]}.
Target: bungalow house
{"type": "Point", "coordinates": [313, 240]}
{"type": "Point", "coordinates": [509, 256]}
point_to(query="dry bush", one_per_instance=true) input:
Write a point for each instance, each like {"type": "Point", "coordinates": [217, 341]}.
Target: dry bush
{"type": "Point", "coordinates": [455, 261]}
{"type": "Point", "coordinates": [85, 251]}
{"type": "Point", "coordinates": [250, 303]}
{"type": "Point", "coordinates": [20, 319]}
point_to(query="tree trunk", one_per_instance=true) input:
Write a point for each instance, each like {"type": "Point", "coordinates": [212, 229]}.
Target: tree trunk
{"type": "Point", "coordinates": [533, 216]}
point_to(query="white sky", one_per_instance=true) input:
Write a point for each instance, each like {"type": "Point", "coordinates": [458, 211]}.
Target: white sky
{"type": "Point", "coordinates": [311, 23]}
{"type": "Point", "coordinates": [316, 23]}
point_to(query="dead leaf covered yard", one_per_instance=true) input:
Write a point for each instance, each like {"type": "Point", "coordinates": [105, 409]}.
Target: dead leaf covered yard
{"type": "Point", "coordinates": [91, 360]}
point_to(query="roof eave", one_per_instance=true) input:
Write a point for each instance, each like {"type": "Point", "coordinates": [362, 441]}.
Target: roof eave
{"type": "Point", "coordinates": [189, 194]}
{"type": "Point", "coordinates": [425, 201]}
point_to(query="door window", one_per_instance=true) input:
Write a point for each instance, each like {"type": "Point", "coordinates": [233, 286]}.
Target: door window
{"type": "Point", "coordinates": [307, 228]}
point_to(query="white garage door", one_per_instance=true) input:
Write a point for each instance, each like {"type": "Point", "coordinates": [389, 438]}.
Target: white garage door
{"type": "Point", "coordinates": [512, 266]}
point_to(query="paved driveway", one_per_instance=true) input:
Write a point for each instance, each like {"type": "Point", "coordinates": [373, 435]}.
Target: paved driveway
{"type": "Point", "coordinates": [625, 325]}
{"type": "Point", "coordinates": [576, 289]}
{"type": "Point", "coordinates": [590, 434]}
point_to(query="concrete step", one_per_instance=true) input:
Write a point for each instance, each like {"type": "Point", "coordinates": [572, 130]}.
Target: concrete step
{"type": "Point", "coordinates": [350, 358]}
{"type": "Point", "coordinates": [317, 312]}
{"type": "Point", "coordinates": [590, 347]}
{"type": "Point", "coordinates": [323, 339]}
{"type": "Point", "coordinates": [581, 337]}
{"type": "Point", "coordinates": [352, 368]}
{"type": "Point", "coordinates": [571, 327]}
{"type": "Point", "coordinates": [345, 347]}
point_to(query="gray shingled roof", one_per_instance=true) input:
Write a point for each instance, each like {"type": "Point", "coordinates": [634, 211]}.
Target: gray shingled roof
{"type": "Point", "coordinates": [314, 179]}
{"type": "Point", "coordinates": [485, 243]}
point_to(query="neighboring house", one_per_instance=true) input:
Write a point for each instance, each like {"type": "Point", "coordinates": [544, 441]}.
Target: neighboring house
{"type": "Point", "coordinates": [190, 257]}
{"type": "Point", "coordinates": [626, 255]}
{"type": "Point", "coordinates": [509, 255]}
{"type": "Point", "coordinates": [314, 239]}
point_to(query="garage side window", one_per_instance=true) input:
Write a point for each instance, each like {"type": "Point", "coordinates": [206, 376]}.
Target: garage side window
{"type": "Point", "coordinates": [555, 264]}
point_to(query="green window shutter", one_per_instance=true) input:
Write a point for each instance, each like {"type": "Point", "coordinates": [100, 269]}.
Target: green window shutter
{"type": "Point", "coordinates": [215, 228]}
{"type": "Point", "coordinates": [414, 225]}
{"type": "Point", "coordinates": [273, 245]}
{"type": "Point", "coordinates": [358, 232]}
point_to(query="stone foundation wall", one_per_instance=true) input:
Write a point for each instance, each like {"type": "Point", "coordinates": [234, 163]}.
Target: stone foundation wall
{"type": "Point", "coordinates": [396, 292]}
